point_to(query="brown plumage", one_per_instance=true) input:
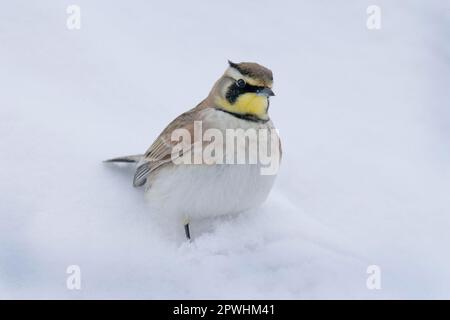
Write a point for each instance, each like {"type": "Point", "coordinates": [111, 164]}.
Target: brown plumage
{"type": "Point", "coordinates": [255, 71]}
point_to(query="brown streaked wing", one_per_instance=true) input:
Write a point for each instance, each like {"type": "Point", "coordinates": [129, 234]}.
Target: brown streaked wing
{"type": "Point", "coordinates": [160, 152]}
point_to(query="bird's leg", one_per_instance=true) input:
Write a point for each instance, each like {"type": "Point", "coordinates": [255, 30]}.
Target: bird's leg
{"type": "Point", "coordinates": [187, 232]}
{"type": "Point", "coordinates": [186, 229]}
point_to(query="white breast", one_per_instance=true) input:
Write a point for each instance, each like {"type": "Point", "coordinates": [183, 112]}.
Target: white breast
{"type": "Point", "coordinates": [206, 191]}
{"type": "Point", "coordinates": [210, 190]}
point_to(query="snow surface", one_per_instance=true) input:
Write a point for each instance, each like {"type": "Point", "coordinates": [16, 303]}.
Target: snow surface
{"type": "Point", "coordinates": [364, 118]}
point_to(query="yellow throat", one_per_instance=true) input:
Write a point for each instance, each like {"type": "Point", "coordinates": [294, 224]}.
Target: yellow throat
{"type": "Point", "coordinates": [248, 104]}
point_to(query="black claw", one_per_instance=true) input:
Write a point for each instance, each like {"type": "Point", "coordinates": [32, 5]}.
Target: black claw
{"type": "Point", "coordinates": [187, 232]}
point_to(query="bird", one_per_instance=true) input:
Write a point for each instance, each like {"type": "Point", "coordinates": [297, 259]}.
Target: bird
{"type": "Point", "coordinates": [239, 100]}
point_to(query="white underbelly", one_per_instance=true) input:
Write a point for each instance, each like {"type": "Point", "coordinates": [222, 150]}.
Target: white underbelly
{"type": "Point", "coordinates": [198, 191]}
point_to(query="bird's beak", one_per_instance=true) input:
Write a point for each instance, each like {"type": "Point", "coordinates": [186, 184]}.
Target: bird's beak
{"type": "Point", "coordinates": [266, 92]}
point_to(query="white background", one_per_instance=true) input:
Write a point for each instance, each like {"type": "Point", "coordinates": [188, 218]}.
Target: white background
{"type": "Point", "coordinates": [364, 118]}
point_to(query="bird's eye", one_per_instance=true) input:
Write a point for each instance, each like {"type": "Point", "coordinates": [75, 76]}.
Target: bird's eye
{"type": "Point", "coordinates": [240, 83]}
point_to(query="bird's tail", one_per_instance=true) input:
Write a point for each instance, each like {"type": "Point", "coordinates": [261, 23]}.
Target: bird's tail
{"type": "Point", "coordinates": [129, 159]}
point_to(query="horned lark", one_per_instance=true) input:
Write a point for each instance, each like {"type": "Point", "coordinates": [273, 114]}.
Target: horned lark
{"type": "Point", "coordinates": [239, 100]}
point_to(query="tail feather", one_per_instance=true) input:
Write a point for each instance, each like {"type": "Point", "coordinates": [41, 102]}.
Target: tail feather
{"type": "Point", "coordinates": [128, 159]}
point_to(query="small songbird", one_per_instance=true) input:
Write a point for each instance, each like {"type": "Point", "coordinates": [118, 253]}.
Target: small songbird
{"type": "Point", "coordinates": [222, 184]}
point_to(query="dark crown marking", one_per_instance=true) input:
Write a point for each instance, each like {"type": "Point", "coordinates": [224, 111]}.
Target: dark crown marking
{"type": "Point", "coordinates": [253, 70]}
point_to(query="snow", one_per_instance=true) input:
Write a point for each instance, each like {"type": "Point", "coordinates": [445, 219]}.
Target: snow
{"type": "Point", "coordinates": [364, 120]}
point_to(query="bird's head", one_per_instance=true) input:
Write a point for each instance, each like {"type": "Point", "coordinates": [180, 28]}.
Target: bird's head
{"type": "Point", "coordinates": [244, 89]}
